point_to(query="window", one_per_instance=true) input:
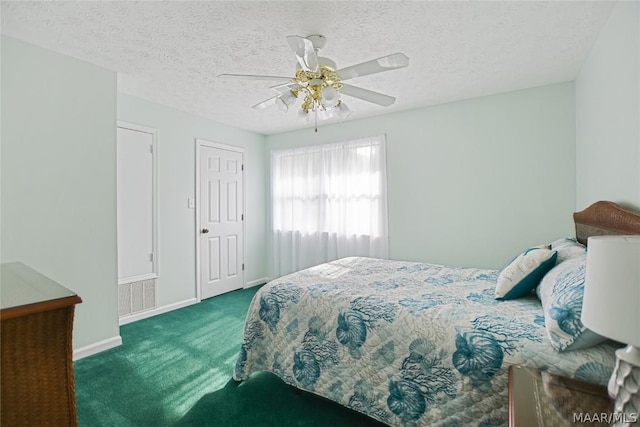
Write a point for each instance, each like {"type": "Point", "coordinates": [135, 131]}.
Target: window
{"type": "Point", "coordinates": [328, 202]}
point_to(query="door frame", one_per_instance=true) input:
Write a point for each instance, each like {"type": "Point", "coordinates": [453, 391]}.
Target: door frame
{"type": "Point", "coordinates": [154, 195]}
{"type": "Point", "coordinates": [212, 144]}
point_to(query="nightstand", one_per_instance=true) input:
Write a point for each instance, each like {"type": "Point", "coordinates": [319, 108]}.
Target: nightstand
{"type": "Point", "coordinates": [541, 399]}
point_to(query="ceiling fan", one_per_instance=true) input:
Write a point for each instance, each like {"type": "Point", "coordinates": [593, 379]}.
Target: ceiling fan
{"type": "Point", "coordinates": [319, 83]}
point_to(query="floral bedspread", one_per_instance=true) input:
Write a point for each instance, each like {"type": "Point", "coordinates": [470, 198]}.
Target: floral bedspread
{"type": "Point", "coordinates": [405, 343]}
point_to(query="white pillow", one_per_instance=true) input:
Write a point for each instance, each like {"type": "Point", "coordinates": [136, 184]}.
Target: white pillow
{"type": "Point", "coordinates": [561, 293]}
{"type": "Point", "coordinates": [567, 248]}
{"type": "Point", "coordinates": [525, 272]}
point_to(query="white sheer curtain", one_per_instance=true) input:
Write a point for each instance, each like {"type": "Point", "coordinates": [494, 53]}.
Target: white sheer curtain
{"type": "Point", "coordinates": [328, 202]}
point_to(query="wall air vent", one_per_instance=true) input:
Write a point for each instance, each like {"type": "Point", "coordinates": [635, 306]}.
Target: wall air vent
{"type": "Point", "coordinates": [136, 297]}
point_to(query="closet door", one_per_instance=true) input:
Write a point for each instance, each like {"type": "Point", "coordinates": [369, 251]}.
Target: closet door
{"type": "Point", "coordinates": [136, 205]}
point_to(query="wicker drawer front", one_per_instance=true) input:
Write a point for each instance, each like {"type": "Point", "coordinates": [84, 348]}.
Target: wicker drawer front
{"type": "Point", "coordinates": [37, 369]}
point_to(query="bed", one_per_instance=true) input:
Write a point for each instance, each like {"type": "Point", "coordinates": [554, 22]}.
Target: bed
{"type": "Point", "coordinates": [410, 343]}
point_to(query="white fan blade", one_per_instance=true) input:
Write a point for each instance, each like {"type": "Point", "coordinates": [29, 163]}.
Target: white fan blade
{"type": "Point", "coordinates": [305, 53]}
{"type": "Point", "coordinates": [253, 77]}
{"type": "Point", "coordinates": [285, 87]}
{"type": "Point", "coordinates": [386, 63]}
{"type": "Point", "coordinates": [367, 95]}
{"type": "Point", "coordinates": [266, 103]}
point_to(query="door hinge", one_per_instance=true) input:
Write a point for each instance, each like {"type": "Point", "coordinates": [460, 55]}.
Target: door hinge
{"type": "Point", "coordinates": [151, 257]}
{"type": "Point", "coordinates": [242, 217]}
{"type": "Point", "coordinates": [242, 267]}
{"type": "Point", "coordinates": [242, 167]}
{"type": "Point", "coordinates": [151, 148]}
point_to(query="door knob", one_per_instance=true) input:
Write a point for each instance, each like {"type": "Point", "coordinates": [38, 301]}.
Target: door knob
{"type": "Point", "coordinates": [205, 230]}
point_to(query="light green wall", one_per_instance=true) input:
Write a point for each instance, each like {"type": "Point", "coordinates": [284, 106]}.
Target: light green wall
{"type": "Point", "coordinates": [177, 132]}
{"type": "Point", "coordinates": [59, 178]}
{"type": "Point", "coordinates": [608, 113]}
{"type": "Point", "coordinates": [500, 172]}
{"type": "Point", "coordinates": [472, 182]}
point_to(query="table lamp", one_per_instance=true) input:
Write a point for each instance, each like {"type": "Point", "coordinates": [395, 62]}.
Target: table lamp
{"type": "Point", "coordinates": [611, 308]}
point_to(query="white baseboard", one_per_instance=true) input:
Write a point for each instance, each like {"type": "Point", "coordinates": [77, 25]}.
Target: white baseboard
{"type": "Point", "coordinates": [156, 311]}
{"type": "Point", "coordinates": [97, 347]}
{"type": "Point", "coordinates": [260, 281]}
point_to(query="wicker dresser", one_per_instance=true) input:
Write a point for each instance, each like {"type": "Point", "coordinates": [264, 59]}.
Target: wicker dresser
{"type": "Point", "coordinates": [36, 375]}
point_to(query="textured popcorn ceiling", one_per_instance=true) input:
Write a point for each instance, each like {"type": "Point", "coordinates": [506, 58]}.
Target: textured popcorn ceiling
{"type": "Point", "coordinates": [171, 52]}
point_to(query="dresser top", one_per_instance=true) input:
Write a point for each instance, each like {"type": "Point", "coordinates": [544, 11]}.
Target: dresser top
{"type": "Point", "coordinates": [21, 285]}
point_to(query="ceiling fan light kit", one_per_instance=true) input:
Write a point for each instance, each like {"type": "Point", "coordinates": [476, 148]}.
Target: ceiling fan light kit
{"type": "Point", "coordinates": [319, 84]}
{"type": "Point", "coordinates": [285, 101]}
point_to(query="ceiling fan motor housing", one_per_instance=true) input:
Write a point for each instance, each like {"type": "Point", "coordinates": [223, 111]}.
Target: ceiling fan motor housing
{"type": "Point", "coordinates": [318, 41]}
{"type": "Point", "coordinates": [327, 62]}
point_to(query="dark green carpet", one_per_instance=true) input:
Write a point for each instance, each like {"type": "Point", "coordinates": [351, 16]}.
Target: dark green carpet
{"type": "Point", "coordinates": [175, 370]}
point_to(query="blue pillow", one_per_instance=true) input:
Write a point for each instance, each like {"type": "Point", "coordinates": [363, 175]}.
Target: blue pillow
{"type": "Point", "coordinates": [524, 273]}
{"type": "Point", "coordinates": [561, 292]}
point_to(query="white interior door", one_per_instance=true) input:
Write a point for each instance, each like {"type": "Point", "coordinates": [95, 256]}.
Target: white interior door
{"type": "Point", "coordinates": [221, 230]}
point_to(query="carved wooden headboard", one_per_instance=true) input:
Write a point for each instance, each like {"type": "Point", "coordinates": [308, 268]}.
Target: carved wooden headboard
{"type": "Point", "coordinates": [602, 218]}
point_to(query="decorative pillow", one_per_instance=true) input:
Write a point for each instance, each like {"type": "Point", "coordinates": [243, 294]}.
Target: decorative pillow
{"type": "Point", "coordinates": [567, 248]}
{"type": "Point", "coordinates": [524, 273]}
{"type": "Point", "coordinates": [561, 292]}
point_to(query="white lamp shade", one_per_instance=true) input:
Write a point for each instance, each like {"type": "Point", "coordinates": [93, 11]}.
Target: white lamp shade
{"type": "Point", "coordinates": [343, 111]}
{"type": "Point", "coordinates": [611, 304]}
{"type": "Point", "coordinates": [329, 96]}
{"type": "Point", "coordinates": [325, 114]}
{"type": "Point", "coordinates": [285, 100]}
{"type": "Point", "coordinates": [304, 116]}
